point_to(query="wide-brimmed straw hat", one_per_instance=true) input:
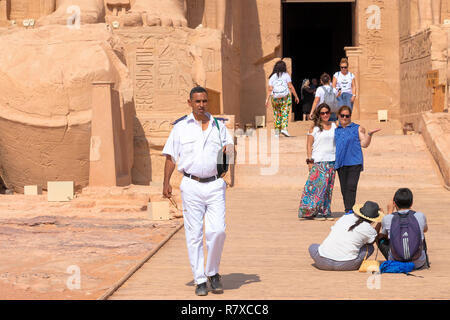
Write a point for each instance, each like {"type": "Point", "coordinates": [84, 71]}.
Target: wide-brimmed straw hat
{"type": "Point", "coordinates": [370, 211]}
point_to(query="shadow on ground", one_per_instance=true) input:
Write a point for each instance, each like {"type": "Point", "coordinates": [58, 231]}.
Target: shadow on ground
{"type": "Point", "coordinates": [235, 280]}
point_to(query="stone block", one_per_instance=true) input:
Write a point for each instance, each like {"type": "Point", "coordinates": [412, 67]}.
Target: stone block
{"type": "Point", "coordinates": [260, 121]}
{"type": "Point", "coordinates": [158, 210]}
{"type": "Point", "coordinates": [32, 190]}
{"type": "Point", "coordinates": [382, 115]}
{"type": "Point", "coordinates": [60, 190]}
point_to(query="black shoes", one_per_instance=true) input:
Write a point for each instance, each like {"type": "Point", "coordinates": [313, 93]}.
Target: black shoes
{"type": "Point", "coordinates": [216, 284]}
{"type": "Point", "coordinates": [201, 289]}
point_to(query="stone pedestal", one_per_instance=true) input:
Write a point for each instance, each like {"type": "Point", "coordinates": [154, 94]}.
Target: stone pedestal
{"type": "Point", "coordinates": [108, 156]}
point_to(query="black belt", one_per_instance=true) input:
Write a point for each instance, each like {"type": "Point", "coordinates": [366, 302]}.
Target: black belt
{"type": "Point", "coordinates": [201, 179]}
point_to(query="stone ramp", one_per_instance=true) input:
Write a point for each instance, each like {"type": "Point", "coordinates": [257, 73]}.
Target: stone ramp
{"type": "Point", "coordinates": [266, 251]}
{"type": "Point", "coordinates": [266, 255]}
{"type": "Point", "coordinates": [390, 160]}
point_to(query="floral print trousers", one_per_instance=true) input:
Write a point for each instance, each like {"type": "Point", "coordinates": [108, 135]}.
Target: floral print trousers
{"type": "Point", "coordinates": [281, 109]}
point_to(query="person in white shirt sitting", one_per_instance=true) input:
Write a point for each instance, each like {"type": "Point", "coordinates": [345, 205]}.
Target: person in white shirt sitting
{"type": "Point", "coordinates": [350, 240]}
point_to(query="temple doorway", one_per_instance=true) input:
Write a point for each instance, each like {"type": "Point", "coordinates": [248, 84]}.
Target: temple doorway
{"type": "Point", "coordinates": [314, 35]}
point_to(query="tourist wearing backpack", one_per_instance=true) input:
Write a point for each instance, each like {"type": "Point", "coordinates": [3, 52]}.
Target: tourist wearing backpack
{"type": "Point", "coordinates": [325, 94]}
{"type": "Point", "coordinates": [279, 90]}
{"type": "Point", "coordinates": [345, 85]}
{"type": "Point", "coordinates": [402, 231]}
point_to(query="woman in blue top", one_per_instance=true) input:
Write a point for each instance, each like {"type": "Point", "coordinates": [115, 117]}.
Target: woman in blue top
{"type": "Point", "coordinates": [349, 138]}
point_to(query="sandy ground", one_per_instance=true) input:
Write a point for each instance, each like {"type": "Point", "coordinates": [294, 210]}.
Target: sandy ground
{"type": "Point", "coordinates": [100, 235]}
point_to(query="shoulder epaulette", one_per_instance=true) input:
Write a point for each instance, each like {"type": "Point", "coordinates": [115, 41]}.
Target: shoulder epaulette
{"type": "Point", "coordinates": [179, 119]}
{"type": "Point", "coordinates": [221, 119]}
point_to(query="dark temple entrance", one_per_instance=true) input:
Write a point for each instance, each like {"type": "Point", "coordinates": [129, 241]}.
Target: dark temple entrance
{"type": "Point", "coordinates": [314, 36]}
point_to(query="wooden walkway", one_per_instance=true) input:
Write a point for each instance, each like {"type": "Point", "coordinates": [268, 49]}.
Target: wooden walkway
{"type": "Point", "coordinates": [266, 250]}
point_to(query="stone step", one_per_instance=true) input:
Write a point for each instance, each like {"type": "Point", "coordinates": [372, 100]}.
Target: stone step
{"type": "Point", "coordinates": [251, 176]}
{"type": "Point", "coordinates": [391, 127]}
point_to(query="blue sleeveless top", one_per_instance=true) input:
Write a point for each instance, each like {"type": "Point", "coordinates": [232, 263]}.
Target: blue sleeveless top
{"type": "Point", "coordinates": [348, 146]}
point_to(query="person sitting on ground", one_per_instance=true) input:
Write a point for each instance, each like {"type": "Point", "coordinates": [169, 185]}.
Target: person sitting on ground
{"type": "Point", "coordinates": [403, 242]}
{"type": "Point", "coordinates": [350, 240]}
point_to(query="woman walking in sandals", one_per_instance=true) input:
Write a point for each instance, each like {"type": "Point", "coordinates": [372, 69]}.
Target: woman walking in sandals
{"type": "Point", "coordinates": [279, 93]}
{"type": "Point", "coordinates": [321, 152]}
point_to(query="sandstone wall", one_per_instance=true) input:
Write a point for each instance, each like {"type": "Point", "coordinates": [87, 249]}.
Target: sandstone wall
{"type": "Point", "coordinates": [26, 9]}
{"type": "Point", "coordinates": [260, 37]}
{"type": "Point", "coordinates": [378, 39]}
{"type": "Point", "coordinates": [46, 80]}
{"type": "Point", "coordinates": [165, 63]}
{"type": "Point", "coordinates": [420, 53]}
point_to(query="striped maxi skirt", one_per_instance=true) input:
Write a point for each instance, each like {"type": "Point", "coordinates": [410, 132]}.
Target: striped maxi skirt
{"type": "Point", "coordinates": [316, 197]}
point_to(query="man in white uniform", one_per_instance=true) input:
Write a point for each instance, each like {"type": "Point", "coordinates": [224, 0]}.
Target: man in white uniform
{"type": "Point", "coordinates": [194, 143]}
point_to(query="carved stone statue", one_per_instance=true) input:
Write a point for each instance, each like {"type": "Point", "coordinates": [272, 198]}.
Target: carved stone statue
{"type": "Point", "coordinates": [429, 12]}
{"type": "Point", "coordinates": [128, 12]}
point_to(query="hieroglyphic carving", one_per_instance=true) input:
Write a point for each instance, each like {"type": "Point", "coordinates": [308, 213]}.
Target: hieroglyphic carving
{"type": "Point", "coordinates": [212, 60]}
{"type": "Point", "coordinates": [375, 40]}
{"type": "Point", "coordinates": [154, 127]}
{"type": "Point", "coordinates": [415, 62]}
{"type": "Point", "coordinates": [415, 47]}
{"type": "Point", "coordinates": [144, 79]}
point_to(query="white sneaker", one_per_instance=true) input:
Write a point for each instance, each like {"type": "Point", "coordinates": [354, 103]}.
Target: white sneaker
{"type": "Point", "coordinates": [285, 133]}
{"type": "Point", "coordinates": [277, 133]}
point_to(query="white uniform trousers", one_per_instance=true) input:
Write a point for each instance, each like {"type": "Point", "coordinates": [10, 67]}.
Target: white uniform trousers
{"type": "Point", "coordinates": [204, 201]}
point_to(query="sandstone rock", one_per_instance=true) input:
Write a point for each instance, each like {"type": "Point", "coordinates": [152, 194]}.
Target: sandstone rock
{"type": "Point", "coordinates": [45, 100]}
{"type": "Point", "coordinates": [73, 12]}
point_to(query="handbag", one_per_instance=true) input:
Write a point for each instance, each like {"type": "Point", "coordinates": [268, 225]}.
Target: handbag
{"type": "Point", "coordinates": [222, 158]}
{"type": "Point", "coordinates": [370, 265]}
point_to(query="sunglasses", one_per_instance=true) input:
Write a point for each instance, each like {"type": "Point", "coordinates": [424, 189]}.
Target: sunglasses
{"type": "Point", "coordinates": [344, 67]}
{"type": "Point", "coordinates": [324, 113]}
{"type": "Point", "coordinates": [345, 116]}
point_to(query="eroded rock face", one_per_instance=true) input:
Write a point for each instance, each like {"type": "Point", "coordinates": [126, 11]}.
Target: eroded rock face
{"type": "Point", "coordinates": [45, 100]}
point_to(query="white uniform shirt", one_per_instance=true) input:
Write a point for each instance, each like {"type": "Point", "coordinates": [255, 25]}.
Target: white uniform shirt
{"type": "Point", "coordinates": [196, 150]}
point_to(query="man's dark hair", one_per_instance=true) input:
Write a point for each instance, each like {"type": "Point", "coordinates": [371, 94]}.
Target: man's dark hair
{"type": "Point", "coordinates": [197, 89]}
{"type": "Point", "coordinates": [403, 198]}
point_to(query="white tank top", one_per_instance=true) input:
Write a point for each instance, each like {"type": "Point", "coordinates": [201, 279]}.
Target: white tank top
{"type": "Point", "coordinates": [324, 147]}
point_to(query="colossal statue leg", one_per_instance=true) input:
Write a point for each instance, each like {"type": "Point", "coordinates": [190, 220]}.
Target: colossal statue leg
{"type": "Point", "coordinates": [91, 11]}
{"type": "Point", "coordinates": [425, 13]}
{"type": "Point", "coordinates": [436, 7]}
{"type": "Point", "coordinates": [156, 12]}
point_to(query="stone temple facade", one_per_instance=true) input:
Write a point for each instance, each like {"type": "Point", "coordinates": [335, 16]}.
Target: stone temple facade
{"type": "Point", "coordinates": [58, 57]}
